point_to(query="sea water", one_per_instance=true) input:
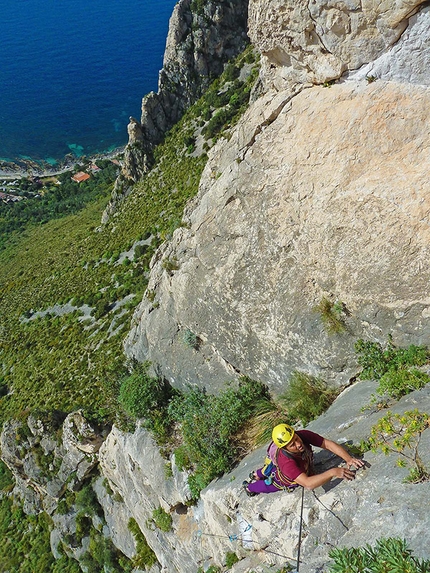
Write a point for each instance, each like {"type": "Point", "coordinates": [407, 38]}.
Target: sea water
{"type": "Point", "coordinates": [73, 71]}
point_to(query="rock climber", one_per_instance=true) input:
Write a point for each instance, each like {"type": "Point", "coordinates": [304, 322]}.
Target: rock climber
{"type": "Point", "coordinates": [290, 462]}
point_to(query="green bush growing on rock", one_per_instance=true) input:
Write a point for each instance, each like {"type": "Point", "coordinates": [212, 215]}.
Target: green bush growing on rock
{"type": "Point", "coordinates": [306, 398]}
{"type": "Point", "coordinates": [86, 501]}
{"type": "Point", "coordinates": [161, 519]}
{"type": "Point", "coordinates": [230, 559]}
{"type": "Point", "coordinates": [390, 555]}
{"type": "Point", "coordinates": [212, 449]}
{"type": "Point", "coordinates": [401, 434]}
{"type": "Point", "coordinates": [395, 368]}
{"type": "Point", "coordinates": [191, 339]}
{"type": "Point", "coordinates": [332, 315]}
{"type": "Point", "coordinates": [6, 478]}
{"type": "Point", "coordinates": [182, 459]}
{"type": "Point", "coordinates": [145, 558]}
{"type": "Point", "coordinates": [102, 555]}
{"type": "Point", "coordinates": [147, 397]}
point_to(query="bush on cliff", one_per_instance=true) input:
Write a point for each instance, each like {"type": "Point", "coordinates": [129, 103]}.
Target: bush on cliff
{"type": "Point", "coordinates": [390, 555]}
{"type": "Point", "coordinates": [147, 397]}
{"type": "Point", "coordinates": [209, 425]}
{"type": "Point", "coordinates": [395, 368]}
{"type": "Point", "coordinates": [306, 398]}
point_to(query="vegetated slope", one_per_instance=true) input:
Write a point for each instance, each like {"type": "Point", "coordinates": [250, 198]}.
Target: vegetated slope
{"type": "Point", "coordinates": [69, 287]}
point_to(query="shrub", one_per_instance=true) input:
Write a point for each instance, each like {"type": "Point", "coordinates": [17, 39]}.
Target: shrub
{"type": "Point", "coordinates": [6, 478]}
{"type": "Point", "coordinates": [87, 502]}
{"type": "Point", "coordinates": [398, 383]}
{"type": "Point", "coordinates": [161, 519]}
{"type": "Point", "coordinates": [392, 366]}
{"type": "Point", "coordinates": [332, 315]}
{"type": "Point", "coordinates": [230, 559]}
{"type": "Point", "coordinates": [390, 555]}
{"type": "Point", "coordinates": [306, 398]}
{"type": "Point", "coordinates": [191, 339]}
{"type": "Point", "coordinates": [212, 449]}
{"type": "Point", "coordinates": [144, 396]}
{"type": "Point", "coordinates": [170, 265]}
{"type": "Point", "coordinates": [145, 558]}
{"type": "Point", "coordinates": [182, 459]}
{"type": "Point", "coordinates": [401, 434]}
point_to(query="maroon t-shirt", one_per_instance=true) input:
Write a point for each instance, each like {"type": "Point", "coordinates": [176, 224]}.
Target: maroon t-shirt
{"type": "Point", "coordinates": [292, 467]}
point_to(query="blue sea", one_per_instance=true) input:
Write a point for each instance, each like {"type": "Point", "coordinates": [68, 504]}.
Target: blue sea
{"type": "Point", "coordinates": [73, 71]}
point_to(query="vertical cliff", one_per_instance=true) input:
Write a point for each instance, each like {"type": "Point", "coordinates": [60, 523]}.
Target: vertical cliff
{"type": "Point", "coordinates": [202, 38]}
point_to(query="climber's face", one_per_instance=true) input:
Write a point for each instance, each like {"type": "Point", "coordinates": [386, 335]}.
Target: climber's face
{"type": "Point", "coordinates": [295, 446]}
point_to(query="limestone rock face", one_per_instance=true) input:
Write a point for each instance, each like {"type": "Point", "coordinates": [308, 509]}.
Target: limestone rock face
{"type": "Point", "coordinates": [329, 200]}
{"type": "Point", "coordinates": [407, 61]}
{"type": "Point", "coordinates": [42, 465]}
{"type": "Point", "coordinates": [313, 42]}
{"type": "Point", "coordinates": [135, 469]}
{"type": "Point", "coordinates": [263, 530]}
{"type": "Point", "coordinates": [200, 41]}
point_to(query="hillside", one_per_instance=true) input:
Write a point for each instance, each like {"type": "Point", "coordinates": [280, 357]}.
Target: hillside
{"type": "Point", "coordinates": [148, 337]}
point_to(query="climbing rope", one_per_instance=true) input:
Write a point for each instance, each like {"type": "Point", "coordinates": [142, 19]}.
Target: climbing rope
{"type": "Point", "coordinates": [330, 511]}
{"type": "Point", "coordinates": [300, 530]}
{"type": "Point", "coordinates": [234, 537]}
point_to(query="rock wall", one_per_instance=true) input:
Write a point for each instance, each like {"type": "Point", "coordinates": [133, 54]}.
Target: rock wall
{"type": "Point", "coordinates": [263, 531]}
{"type": "Point", "coordinates": [200, 41]}
{"type": "Point", "coordinates": [314, 42]}
{"type": "Point", "coordinates": [319, 193]}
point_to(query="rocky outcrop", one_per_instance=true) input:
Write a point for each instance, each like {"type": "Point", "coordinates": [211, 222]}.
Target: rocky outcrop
{"type": "Point", "coordinates": [319, 194]}
{"type": "Point", "coordinates": [136, 470]}
{"type": "Point", "coordinates": [202, 38]}
{"type": "Point", "coordinates": [43, 465]}
{"type": "Point", "coordinates": [263, 531]}
{"type": "Point", "coordinates": [313, 42]}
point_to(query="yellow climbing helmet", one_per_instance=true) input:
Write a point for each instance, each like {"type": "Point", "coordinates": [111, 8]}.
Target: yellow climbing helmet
{"type": "Point", "coordinates": [282, 435]}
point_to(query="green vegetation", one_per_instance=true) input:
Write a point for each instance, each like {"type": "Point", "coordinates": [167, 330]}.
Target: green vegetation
{"type": "Point", "coordinates": [86, 501]}
{"type": "Point", "coordinates": [211, 569]}
{"type": "Point", "coordinates": [197, 6]}
{"type": "Point", "coordinates": [213, 449]}
{"type": "Point", "coordinates": [388, 556]}
{"type": "Point", "coordinates": [68, 289]}
{"type": "Point", "coordinates": [145, 558]}
{"type": "Point", "coordinates": [401, 434]}
{"type": "Point", "coordinates": [6, 478]}
{"type": "Point", "coordinates": [191, 339]}
{"type": "Point", "coordinates": [102, 555]}
{"type": "Point", "coordinates": [173, 417]}
{"type": "Point", "coordinates": [332, 314]}
{"type": "Point", "coordinates": [54, 200]}
{"type": "Point", "coordinates": [25, 542]}
{"type": "Point", "coordinates": [395, 368]}
{"type": "Point", "coordinates": [161, 519]}
{"type": "Point", "coordinates": [306, 398]}
{"type": "Point", "coordinates": [230, 559]}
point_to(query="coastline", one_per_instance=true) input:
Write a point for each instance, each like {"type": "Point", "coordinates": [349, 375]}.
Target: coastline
{"type": "Point", "coordinates": [21, 169]}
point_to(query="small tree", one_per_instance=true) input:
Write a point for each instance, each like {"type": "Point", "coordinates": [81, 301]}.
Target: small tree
{"type": "Point", "coordinates": [401, 434]}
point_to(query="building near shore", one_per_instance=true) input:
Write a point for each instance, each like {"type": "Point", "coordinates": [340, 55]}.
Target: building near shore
{"type": "Point", "coordinates": [80, 176]}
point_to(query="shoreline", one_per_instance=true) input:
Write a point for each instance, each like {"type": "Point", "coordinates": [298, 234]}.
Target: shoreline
{"type": "Point", "coordinates": [24, 168]}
